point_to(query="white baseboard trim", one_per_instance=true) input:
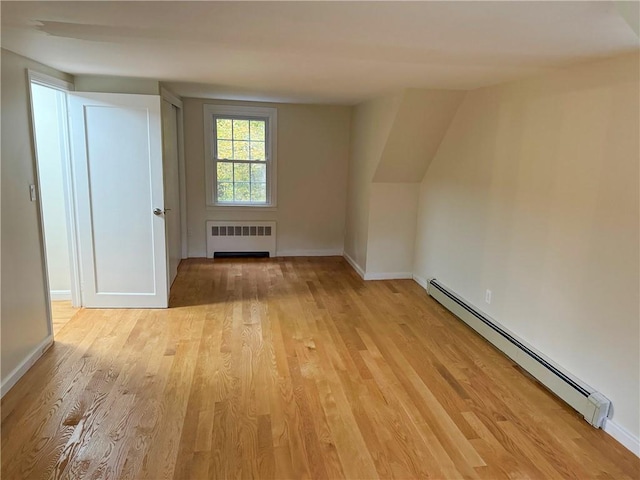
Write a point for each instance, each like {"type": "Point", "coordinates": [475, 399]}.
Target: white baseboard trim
{"type": "Point", "coordinates": [354, 265]}
{"type": "Point", "coordinates": [60, 295]}
{"type": "Point", "coordinates": [629, 441]}
{"type": "Point", "coordinates": [376, 276]}
{"type": "Point", "coordinates": [26, 364]}
{"type": "Point", "coordinates": [388, 276]}
{"type": "Point", "coordinates": [421, 281]}
{"type": "Point", "coordinates": [310, 253]}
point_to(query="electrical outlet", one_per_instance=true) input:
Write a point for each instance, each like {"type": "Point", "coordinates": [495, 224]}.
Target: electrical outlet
{"type": "Point", "coordinates": [487, 296]}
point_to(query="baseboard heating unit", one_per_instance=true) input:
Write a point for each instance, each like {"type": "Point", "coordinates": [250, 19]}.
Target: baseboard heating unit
{"type": "Point", "coordinates": [240, 237]}
{"type": "Point", "coordinates": [591, 404]}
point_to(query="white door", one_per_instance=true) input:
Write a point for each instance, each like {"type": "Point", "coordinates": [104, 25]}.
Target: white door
{"type": "Point", "coordinates": [116, 145]}
{"type": "Point", "coordinates": [171, 187]}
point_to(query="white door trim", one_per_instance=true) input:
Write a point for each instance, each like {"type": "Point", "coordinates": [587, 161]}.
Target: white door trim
{"type": "Point", "coordinates": [183, 181]}
{"type": "Point", "coordinates": [49, 81]}
{"type": "Point", "coordinates": [170, 97]}
{"type": "Point", "coordinates": [176, 101]}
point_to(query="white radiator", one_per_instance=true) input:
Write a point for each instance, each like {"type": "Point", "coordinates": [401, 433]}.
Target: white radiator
{"type": "Point", "coordinates": [593, 405]}
{"type": "Point", "coordinates": [241, 237]}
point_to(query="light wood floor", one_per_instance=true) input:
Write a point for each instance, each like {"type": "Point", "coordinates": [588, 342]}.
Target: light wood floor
{"type": "Point", "coordinates": [61, 312]}
{"type": "Point", "coordinates": [289, 368]}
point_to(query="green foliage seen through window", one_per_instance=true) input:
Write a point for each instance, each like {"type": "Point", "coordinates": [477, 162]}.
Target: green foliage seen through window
{"type": "Point", "coordinates": [240, 160]}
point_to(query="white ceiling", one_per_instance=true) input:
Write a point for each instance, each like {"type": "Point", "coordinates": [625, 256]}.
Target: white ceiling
{"type": "Point", "coordinates": [324, 52]}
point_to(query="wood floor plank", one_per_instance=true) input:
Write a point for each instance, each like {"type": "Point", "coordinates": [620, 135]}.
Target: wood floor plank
{"type": "Point", "coordinates": [289, 368]}
{"type": "Point", "coordinates": [61, 312]}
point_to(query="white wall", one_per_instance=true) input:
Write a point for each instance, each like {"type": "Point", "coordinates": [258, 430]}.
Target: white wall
{"type": "Point", "coordinates": [534, 194]}
{"type": "Point", "coordinates": [313, 149]}
{"type": "Point", "coordinates": [24, 309]}
{"type": "Point", "coordinates": [392, 230]}
{"type": "Point", "coordinates": [50, 172]}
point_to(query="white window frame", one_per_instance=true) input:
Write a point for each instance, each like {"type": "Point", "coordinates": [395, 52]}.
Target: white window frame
{"type": "Point", "coordinates": [268, 113]}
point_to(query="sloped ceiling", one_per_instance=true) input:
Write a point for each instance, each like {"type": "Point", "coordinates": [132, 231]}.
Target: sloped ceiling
{"type": "Point", "coordinates": [419, 126]}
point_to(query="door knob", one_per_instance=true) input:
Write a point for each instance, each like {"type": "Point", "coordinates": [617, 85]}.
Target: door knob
{"type": "Point", "coordinates": [158, 212]}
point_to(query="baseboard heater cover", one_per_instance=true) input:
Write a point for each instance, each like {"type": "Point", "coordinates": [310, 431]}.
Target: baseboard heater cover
{"type": "Point", "coordinates": [240, 237]}
{"type": "Point", "coordinates": [593, 405]}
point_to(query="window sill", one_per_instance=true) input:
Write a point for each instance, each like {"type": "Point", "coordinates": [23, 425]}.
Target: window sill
{"type": "Point", "coordinates": [241, 208]}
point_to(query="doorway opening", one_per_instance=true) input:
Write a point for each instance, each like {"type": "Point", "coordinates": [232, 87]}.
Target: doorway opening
{"type": "Point", "coordinates": [112, 215]}
{"type": "Point", "coordinates": [55, 196]}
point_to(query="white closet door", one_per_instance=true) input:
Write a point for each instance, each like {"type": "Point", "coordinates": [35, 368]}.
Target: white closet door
{"type": "Point", "coordinates": [116, 144]}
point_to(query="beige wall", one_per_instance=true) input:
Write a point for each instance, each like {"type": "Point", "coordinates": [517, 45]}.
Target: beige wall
{"type": "Point", "coordinates": [371, 123]}
{"type": "Point", "coordinates": [313, 149]}
{"type": "Point", "coordinates": [107, 84]}
{"type": "Point", "coordinates": [418, 128]}
{"type": "Point", "coordinates": [392, 230]}
{"type": "Point", "coordinates": [24, 310]}
{"type": "Point", "coordinates": [534, 195]}
{"type": "Point", "coordinates": [393, 140]}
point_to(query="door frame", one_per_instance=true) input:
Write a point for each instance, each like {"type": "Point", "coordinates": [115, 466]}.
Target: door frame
{"type": "Point", "coordinates": [177, 102]}
{"type": "Point", "coordinates": [39, 78]}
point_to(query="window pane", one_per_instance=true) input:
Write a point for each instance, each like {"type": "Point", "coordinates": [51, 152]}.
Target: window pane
{"type": "Point", "coordinates": [225, 172]}
{"type": "Point", "coordinates": [242, 172]}
{"type": "Point", "coordinates": [257, 151]}
{"type": "Point", "coordinates": [242, 192]}
{"type": "Point", "coordinates": [225, 192]}
{"type": "Point", "coordinates": [258, 173]}
{"type": "Point", "coordinates": [223, 128]}
{"type": "Point", "coordinates": [225, 149]}
{"type": "Point", "coordinates": [241, 150]}
{"type": "Point", "coordinates": [259, 192]}
{"type": "Point", "coordinates": [258, 130]}
{"type": "Point", "coordinates": [241, 129]}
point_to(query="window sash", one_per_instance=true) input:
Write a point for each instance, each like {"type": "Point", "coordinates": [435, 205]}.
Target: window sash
{"type": "Point", "coordinates": [228, 160]}
{"type": "Point", "coordinates": [267, 146]}
{"type": "Point", "coordinates": [233, 182]}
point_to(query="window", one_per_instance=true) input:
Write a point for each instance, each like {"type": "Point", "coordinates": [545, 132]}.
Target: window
{"type": "Point", "coordinates": [240, 156]}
